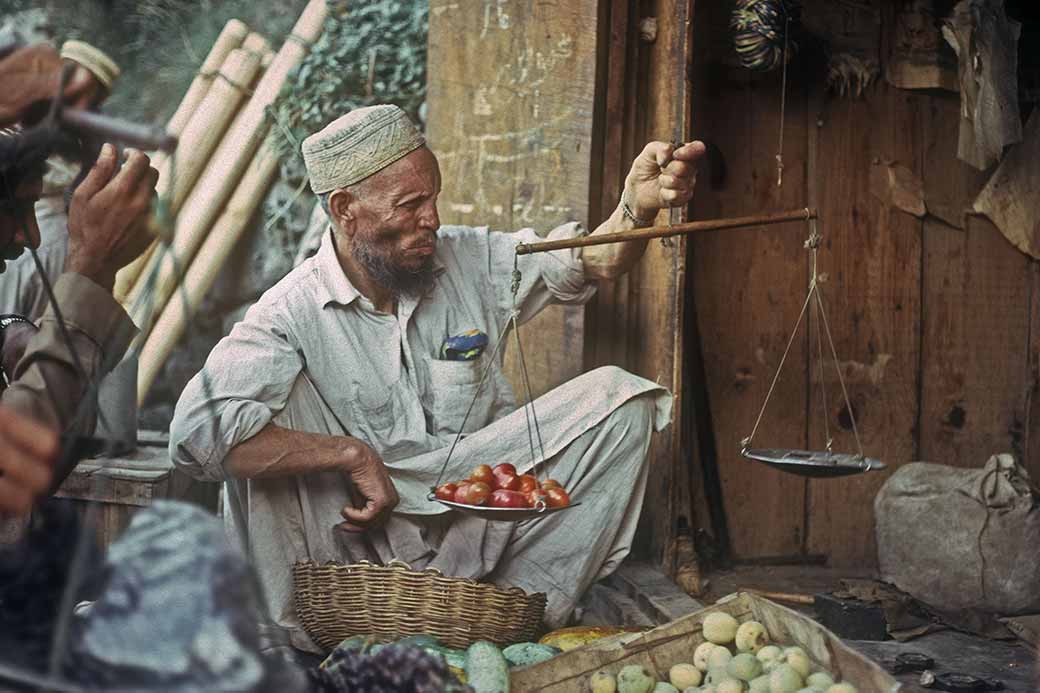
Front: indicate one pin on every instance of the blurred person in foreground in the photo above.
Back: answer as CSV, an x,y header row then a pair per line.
x,y
43,384
94,75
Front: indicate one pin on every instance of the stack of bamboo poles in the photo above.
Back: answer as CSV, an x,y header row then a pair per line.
x,y
220,174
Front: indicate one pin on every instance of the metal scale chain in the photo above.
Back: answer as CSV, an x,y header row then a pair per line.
x,y
793,461
534,432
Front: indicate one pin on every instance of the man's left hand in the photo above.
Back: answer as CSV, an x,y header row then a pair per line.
x,y
663,175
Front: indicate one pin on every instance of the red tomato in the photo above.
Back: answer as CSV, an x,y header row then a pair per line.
x,y
508,482
446,492
550,483
461,490
483,473
504,468
558,498
527,483
537,495
503,498
477,493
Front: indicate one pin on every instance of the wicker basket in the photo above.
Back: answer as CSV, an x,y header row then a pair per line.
x,y
335,601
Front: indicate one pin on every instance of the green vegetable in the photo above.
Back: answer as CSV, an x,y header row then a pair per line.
x,y
523,654
486,669
453,658
418,641
603,682
635,679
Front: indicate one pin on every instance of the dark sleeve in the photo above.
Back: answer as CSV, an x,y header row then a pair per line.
x,y
46,384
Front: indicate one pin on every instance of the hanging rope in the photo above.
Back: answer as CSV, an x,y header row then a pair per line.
x,y
783,108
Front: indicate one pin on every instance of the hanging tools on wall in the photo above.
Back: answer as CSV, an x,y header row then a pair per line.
x,y
762,39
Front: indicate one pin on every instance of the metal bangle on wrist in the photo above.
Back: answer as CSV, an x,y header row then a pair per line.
x,y
627,212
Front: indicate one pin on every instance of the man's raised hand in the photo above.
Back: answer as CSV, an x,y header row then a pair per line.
x,y
663,175
108,216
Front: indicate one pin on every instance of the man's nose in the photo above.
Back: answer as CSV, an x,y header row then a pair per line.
x,y
429,218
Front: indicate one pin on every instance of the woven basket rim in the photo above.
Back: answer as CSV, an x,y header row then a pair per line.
x,y
405,567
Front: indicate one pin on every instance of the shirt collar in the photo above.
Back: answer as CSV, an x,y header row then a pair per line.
x,y
335,286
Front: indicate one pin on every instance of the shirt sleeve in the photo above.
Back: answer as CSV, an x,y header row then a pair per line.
x,y
557,276
245,382
47,384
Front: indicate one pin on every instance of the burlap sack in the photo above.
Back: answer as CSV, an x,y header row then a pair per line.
x,y
961,538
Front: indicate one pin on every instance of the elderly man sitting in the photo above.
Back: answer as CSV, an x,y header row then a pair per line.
x,y
332,396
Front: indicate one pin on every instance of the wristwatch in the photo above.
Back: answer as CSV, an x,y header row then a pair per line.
x,y
11,318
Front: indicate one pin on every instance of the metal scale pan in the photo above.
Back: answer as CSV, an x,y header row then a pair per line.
x,y
503,514
813,463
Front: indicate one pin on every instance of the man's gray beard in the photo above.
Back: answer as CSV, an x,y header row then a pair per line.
x,y
397,280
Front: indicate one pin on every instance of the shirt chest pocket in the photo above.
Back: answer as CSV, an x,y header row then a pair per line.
x,y
454,386
373,414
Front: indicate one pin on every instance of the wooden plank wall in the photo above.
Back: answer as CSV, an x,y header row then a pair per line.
x,y
936,327
511,97
636,321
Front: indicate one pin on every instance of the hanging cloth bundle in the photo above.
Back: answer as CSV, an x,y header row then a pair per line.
x,y
760,32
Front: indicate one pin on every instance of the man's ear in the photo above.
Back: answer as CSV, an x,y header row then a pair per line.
x,y
340,202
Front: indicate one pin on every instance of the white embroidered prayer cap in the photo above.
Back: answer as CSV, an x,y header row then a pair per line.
x,y
353,147
100,65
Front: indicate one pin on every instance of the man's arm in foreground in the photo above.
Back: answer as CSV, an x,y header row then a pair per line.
x,y
106,230
662,176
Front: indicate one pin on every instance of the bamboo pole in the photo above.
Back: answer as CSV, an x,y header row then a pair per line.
x,y
664,231
209,260
231,37
207,126
145,283
217,182
200,138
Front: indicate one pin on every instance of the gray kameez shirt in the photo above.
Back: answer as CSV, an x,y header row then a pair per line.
x,y
313,354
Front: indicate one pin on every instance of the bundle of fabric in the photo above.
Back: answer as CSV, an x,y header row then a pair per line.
x,y
759,32
393,669
33,574
961,539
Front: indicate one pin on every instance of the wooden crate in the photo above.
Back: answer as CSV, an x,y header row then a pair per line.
x,y
674,642
123,485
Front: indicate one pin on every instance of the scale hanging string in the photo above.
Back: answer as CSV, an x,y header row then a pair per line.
x,y
813,244
515,287
469,410
823,382
747,441
841,378
783,100
511,322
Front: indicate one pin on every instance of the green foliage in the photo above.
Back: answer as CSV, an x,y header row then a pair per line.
x,y
159,44
371,51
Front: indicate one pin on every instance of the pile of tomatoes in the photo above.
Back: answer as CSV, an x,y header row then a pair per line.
x,y
502,487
